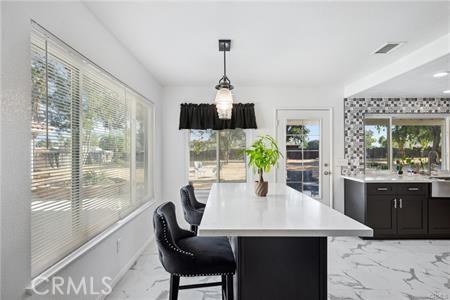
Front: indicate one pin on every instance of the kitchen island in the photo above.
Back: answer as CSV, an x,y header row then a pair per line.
x,y
280,241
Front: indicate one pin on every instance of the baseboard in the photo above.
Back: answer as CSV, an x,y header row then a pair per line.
x,y
128,265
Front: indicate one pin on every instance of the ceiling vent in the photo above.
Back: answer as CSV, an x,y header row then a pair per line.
x,y
388,47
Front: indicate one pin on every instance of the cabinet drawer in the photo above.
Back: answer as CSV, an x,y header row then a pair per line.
x,y
380,189
413,188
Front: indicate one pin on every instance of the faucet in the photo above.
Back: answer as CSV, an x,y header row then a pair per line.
x,y
430,155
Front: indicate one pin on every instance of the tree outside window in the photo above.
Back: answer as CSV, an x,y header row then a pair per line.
x,y
412,141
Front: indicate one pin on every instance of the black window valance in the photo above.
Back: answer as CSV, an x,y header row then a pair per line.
x,y
204,116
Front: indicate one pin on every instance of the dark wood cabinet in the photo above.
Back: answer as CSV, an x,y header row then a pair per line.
x,y
439,212
381,215
412,215
398,210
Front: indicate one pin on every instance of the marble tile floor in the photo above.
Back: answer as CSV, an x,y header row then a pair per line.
x,y
357,269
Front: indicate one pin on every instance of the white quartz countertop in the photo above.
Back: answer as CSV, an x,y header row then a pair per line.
x,y
389,178
233,209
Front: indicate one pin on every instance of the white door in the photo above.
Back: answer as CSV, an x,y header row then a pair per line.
x,y
304,137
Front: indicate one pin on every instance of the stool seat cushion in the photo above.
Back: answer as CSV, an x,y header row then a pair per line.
x,y
182,253
212,255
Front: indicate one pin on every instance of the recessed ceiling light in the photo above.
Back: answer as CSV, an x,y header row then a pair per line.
x,y
446,92
440,74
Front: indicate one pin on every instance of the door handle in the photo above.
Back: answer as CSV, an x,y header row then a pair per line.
x,y
382,189
413,189
326,172
401,202
395,202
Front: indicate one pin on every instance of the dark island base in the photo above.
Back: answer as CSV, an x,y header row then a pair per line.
x,y
282,268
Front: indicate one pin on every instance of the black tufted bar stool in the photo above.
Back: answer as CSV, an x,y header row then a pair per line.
x,y
183,254
193,210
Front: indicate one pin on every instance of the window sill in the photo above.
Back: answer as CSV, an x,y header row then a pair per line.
x,y
44,276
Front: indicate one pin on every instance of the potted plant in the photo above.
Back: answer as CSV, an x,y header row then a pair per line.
x,y
263,155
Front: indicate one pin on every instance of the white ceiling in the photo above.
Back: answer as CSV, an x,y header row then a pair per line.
x,y
289,43
416,83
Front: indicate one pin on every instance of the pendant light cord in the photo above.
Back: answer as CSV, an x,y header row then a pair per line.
x,y
224,63
224,82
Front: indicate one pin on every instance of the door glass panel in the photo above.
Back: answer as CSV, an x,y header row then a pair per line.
x,y
311,190
303,156
294,176
311,176
295,185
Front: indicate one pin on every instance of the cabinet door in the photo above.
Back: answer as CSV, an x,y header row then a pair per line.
x,y
412,214
381,215
439,216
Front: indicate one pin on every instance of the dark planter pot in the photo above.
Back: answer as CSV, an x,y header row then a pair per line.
x,y
261,188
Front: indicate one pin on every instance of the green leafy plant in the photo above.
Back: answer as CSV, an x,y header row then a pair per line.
x,y
263,155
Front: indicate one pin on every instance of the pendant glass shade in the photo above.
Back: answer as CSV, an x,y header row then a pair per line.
x,y
224,103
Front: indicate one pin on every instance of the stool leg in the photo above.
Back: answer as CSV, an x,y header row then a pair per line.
x,y
224,287
174,285
194,228
230,293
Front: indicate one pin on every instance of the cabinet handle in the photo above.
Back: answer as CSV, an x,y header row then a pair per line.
x,y
382,189
395,202
401,202
413,189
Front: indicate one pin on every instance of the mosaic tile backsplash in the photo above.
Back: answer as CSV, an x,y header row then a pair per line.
x,y
356,108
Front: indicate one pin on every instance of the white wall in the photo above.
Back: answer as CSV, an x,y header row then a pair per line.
x,y
267,100
72,22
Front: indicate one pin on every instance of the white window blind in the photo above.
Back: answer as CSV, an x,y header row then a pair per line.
x,y
91,150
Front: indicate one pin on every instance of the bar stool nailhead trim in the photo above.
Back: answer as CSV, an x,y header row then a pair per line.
x,y
174,248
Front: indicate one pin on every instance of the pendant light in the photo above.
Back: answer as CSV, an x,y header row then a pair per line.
x,y
224,98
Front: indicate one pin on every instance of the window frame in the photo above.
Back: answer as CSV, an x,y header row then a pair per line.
x,y
445,143
142,204
151,147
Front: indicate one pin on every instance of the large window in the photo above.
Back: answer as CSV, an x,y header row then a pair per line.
x,y
91,140
410,140
216,156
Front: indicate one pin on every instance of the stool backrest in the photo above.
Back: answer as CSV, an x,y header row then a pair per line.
x,y
167,233
188,197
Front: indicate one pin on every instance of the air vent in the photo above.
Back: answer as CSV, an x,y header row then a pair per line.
x,y
388,47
